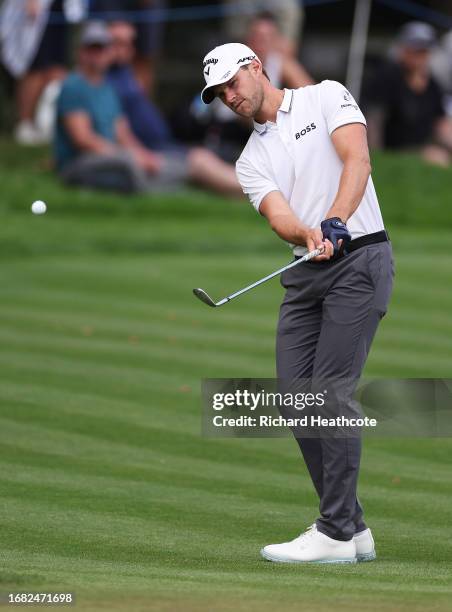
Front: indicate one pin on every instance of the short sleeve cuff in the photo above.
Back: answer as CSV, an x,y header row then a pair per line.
x,y
346,121
256,202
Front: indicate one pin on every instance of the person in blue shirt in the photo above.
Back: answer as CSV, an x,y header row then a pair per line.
x,y
95,147
79,95
145,119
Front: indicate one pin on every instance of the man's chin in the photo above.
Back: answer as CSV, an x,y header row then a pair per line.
x,y
243,111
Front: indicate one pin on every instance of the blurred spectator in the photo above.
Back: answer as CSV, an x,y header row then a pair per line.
x,y
215,125
266,39
442,67
404,102
34,51
145,120
95,147
149,32
289,15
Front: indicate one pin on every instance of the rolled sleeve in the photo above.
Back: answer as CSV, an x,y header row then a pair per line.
x,y
253,182
338,106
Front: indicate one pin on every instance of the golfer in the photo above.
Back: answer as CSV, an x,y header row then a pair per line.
x,y
306,169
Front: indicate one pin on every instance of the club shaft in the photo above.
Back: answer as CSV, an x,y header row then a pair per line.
x,y
292,264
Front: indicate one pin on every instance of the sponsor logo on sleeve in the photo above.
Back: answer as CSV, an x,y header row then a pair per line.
x,y
351,101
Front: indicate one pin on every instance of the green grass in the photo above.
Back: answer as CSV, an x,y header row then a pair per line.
x,y
107,487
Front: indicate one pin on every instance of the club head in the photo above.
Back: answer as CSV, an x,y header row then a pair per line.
x,y
202,295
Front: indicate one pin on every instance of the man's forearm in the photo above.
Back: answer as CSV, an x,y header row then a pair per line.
x,y
289,228
79,129
129,142
282,219
96,144
127,139
286,224
352,186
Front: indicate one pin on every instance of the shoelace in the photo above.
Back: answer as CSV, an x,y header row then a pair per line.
x,y
307,535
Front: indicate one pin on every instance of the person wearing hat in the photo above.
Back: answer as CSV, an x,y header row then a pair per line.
x,y
95,147
306,169
404,103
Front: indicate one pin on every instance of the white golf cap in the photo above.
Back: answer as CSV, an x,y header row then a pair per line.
x,y
221,64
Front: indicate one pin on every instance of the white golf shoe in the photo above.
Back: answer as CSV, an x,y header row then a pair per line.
x,y
312,546
365,546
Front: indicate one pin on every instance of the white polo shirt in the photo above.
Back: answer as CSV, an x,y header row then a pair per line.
x,y
296,156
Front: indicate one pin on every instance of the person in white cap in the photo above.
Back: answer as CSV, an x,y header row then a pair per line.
x,y
306,169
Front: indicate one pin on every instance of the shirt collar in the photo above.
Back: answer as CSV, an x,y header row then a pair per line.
x,y
287,101
285,107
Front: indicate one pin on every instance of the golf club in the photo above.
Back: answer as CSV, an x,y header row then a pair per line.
x,y
205,297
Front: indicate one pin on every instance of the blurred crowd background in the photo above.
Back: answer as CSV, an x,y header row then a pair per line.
x,y
112,86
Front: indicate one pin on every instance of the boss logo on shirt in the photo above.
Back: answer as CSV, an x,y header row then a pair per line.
x,y
303,132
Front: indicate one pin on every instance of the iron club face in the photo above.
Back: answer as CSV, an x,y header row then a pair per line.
x,y
202,295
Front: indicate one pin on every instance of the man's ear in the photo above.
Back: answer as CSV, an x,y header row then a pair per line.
x,y
255,67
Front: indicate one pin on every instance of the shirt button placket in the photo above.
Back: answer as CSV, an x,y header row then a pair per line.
x,y
285,139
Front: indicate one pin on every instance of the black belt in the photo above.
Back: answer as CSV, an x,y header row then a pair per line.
x,y
374,238
357,243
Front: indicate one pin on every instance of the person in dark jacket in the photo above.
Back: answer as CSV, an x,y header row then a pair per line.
x,y
404,103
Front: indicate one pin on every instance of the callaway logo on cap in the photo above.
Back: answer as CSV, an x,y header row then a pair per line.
x,y
221,64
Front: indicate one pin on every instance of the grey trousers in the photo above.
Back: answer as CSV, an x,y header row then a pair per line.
x,y
119,172
328,318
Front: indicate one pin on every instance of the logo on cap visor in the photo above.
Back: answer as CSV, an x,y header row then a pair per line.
x,y
248,58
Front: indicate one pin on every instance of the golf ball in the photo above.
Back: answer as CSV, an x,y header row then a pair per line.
x,y
39,207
